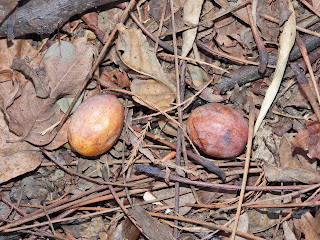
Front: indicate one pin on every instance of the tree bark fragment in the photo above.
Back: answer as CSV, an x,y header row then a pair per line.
x,y
44,16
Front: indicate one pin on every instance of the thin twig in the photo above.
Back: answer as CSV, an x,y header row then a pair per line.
x,y
304,53
300,29
263,54
312,8
224,55
179,138
207,224
158,173
304,84
70,171
246,167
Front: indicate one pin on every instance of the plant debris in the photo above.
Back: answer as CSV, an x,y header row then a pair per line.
x,y
161,60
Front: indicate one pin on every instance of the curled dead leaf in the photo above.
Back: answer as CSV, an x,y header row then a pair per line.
x,y
30,116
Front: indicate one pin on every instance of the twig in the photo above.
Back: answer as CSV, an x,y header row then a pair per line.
x,y
246,167
195,60
179,137
304,84
304,53
313,9
123,208
158,173
227,56
160,25
70,171
300,29
263,54
207,224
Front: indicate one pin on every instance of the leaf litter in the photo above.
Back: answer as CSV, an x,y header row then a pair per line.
x,y
283,178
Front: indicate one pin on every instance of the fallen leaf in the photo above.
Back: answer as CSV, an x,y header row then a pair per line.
x,y
61,138
6,8
307,227
31,117
124,230
243,225
288,233
151,227
316,5
153,92
278,174
168,195
309,140
135,53
240,13
15,158
191,14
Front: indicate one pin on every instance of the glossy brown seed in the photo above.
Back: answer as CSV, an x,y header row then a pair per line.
x,y
217,130
96,125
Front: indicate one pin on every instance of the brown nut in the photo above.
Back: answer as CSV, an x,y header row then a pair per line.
x,y
96,125
217,130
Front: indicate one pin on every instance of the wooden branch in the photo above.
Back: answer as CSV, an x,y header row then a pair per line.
x,y
44,16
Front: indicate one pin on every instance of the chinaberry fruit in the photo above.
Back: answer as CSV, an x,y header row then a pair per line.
x,y
96,125
217,130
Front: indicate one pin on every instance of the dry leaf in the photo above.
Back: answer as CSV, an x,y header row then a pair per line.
x,y
278,174
15,158
309,140
186,198
124,230
30,116
6,8
241,13
307,227
288,232
243,225
152,91
151,227
191,14
135,53
287,40
61,138
261,219
286,160
316,5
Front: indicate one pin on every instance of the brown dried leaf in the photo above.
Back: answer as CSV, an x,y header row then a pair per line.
x,y
316,5
125,230
135,53
285,155
152,91
6,8
151,227
167,193
15,158
191,14
30,116
243,225
308,139
288,232
278,174
307,227
61,137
